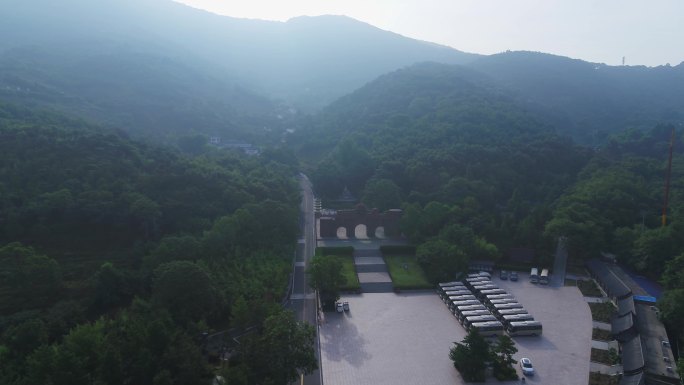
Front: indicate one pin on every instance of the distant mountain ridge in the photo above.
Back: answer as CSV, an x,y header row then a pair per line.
x,y
589,101
156,67
308,61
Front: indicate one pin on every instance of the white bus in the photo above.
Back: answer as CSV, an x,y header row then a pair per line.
x,y
487,286
449,293
460,309
472,313
501,301
455,304
508,318
492,297
460,297
524,328
534,275
477,280
488,329
484,293
442,287
447,284
452,287
503,313
504,306
544,277
468,321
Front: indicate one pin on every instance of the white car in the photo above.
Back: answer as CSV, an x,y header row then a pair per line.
x,y
526,366
340,307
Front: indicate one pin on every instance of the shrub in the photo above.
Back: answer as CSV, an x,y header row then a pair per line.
x,y
398,250
335,250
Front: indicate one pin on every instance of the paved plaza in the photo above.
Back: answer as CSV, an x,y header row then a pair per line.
x,y
390,338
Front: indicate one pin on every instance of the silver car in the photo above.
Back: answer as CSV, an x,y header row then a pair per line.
x,y
526,366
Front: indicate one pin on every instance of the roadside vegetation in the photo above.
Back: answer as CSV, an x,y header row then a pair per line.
x,y
603,379
325,276
602,312
342,258
601,335
589,288
607,357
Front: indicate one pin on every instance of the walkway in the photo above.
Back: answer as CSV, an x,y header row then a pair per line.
x,y
372,271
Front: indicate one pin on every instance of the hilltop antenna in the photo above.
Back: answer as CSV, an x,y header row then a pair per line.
x,y
667,180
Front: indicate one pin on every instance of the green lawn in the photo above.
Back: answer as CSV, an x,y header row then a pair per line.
x,y
406,273
349,273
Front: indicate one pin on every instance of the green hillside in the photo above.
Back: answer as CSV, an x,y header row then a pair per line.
x,y
115,255
589,101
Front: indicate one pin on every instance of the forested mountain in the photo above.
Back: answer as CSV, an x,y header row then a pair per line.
x,y
151,96
119,256
616,207
155,67
471,165
589,101
478,174
115,256
189,63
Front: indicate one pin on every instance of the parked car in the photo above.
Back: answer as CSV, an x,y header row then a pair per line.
x,y
503,275
340,307
526,366
513,276
345,305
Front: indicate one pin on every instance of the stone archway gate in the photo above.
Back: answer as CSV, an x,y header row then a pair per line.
x,y
349,219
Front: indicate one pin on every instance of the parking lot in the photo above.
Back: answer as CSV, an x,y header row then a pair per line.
x,y
389,338
561,355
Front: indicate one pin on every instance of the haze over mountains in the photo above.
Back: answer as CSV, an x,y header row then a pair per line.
x,y
128,242
157,68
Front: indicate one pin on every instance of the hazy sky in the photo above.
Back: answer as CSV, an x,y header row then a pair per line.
x,y
645,32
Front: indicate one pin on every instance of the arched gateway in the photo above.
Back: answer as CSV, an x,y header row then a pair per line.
x,y
359,222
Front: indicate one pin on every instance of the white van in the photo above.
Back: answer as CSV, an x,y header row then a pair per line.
x,y
534,275
544,277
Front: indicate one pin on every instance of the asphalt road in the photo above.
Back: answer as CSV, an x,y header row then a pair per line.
x,y
303,300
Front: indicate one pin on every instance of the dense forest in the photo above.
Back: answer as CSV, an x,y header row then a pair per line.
x,y
478,175
128,244
119,257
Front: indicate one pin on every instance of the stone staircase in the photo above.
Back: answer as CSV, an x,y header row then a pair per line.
x,y
372,272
